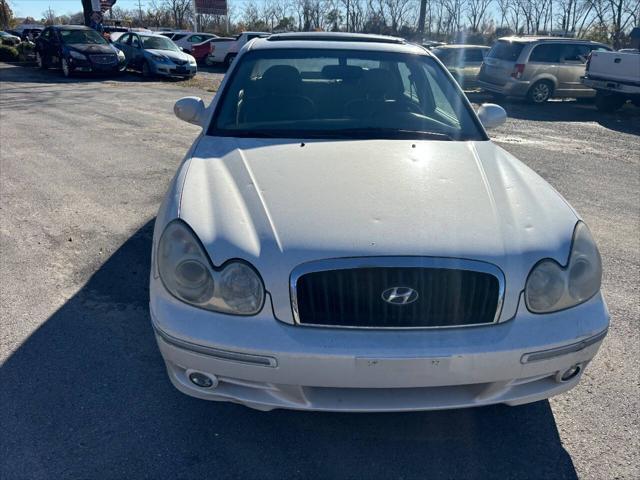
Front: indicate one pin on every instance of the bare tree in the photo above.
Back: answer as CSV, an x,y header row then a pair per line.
x,y
476,11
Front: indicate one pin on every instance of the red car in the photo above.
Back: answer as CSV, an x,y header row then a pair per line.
x,y
202,50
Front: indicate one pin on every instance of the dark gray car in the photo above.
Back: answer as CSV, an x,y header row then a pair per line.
x,y
156,55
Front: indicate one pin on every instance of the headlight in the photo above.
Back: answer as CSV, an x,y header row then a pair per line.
x,y
121,55
551,287
77,55
192,61
186,272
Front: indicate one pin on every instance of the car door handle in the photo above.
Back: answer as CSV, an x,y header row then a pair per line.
x,y
617,60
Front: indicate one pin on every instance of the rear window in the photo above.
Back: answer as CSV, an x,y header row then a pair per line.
x,y
505,50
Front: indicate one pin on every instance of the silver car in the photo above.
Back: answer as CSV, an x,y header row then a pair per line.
x,y
537,68
463,61
155,55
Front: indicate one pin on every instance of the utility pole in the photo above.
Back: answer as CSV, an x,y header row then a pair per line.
x,y
140,11
421,18
348,15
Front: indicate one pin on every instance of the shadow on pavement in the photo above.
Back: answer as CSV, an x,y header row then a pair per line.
x,y
625,120
86,396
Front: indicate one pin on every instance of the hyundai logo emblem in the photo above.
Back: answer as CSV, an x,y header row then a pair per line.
x,y
399,295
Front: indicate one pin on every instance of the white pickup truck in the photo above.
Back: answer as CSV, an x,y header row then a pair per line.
x,y
615,76
225,50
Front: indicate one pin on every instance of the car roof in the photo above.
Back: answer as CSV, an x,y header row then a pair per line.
x,y
336,41
546,39
72,27
453,46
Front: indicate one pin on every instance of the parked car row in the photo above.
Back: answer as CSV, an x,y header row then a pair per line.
x,y
541,68
76,48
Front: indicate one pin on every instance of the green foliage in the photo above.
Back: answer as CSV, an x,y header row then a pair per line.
x,y
8,54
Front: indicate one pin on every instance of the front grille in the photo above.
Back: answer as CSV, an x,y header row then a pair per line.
x,y
103,59
353,297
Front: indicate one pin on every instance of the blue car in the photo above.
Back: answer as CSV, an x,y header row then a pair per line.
x,y
155,55
76,48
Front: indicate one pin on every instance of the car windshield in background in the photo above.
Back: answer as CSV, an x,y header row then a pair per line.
x,y
342,94
158,43
81,37
505,50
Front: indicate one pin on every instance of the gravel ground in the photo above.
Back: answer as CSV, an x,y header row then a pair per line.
x,y
84,165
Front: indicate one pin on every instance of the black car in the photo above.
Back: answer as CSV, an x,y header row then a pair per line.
x,y
76,48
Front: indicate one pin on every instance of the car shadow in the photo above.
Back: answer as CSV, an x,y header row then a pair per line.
x,y
86,396
30,73
625,120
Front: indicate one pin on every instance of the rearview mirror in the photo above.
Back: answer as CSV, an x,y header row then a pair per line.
x,y
190,109
491,115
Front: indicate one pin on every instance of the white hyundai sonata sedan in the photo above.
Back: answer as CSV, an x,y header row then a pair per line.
x,y
344,236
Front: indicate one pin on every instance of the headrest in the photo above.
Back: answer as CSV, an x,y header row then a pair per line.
x,y
342,72
281,79
379,82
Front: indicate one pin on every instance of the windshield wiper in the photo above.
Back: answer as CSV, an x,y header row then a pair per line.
x,y
388,133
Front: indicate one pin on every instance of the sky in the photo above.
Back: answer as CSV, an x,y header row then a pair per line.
x,y
34,8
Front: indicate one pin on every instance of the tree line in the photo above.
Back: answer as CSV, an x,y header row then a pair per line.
x,y
472,21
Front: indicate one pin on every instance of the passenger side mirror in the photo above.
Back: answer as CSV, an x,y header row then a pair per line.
x,y
491,115
190,109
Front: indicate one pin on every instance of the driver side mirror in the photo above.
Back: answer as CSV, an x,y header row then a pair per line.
x,y
491,115
190,109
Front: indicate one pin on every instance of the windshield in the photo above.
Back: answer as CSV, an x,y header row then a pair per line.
x,y
82,37
158,43
342,94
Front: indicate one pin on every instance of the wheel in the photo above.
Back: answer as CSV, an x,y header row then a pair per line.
x,y
228,60
609,102
40,61
66,69
540,92
146,70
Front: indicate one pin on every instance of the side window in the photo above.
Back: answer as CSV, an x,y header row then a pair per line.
x,y
124,39
473,55
46,34
546,53
177,37
135,41
576,54
195,39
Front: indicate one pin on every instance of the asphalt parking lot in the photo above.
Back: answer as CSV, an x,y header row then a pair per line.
x,y
84,166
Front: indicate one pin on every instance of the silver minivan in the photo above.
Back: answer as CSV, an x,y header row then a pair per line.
x,y
537,68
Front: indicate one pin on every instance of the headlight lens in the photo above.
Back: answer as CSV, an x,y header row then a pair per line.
x,y
121,55
160,59
77,55
551,287
192,61
187,274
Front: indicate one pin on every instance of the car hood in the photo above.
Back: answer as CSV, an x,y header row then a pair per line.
x,y
281,203
91,49
169,54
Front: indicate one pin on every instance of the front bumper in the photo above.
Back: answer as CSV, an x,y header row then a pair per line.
x,y
512,87
88,66
263,363
173,70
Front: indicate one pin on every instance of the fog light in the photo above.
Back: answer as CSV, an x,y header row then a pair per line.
x,y
201,380
570,373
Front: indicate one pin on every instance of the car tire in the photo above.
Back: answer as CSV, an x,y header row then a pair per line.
x,y
40,61
228,60
67,71
540,92
609,102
